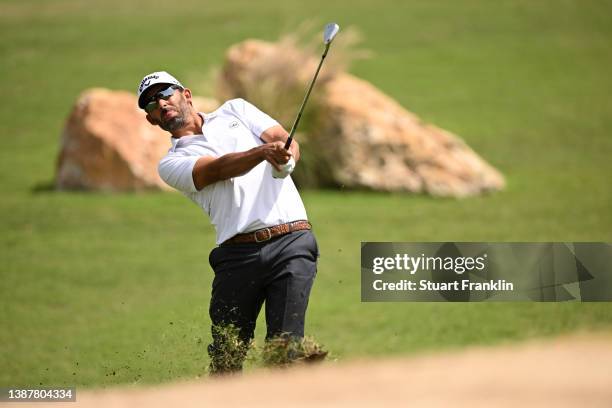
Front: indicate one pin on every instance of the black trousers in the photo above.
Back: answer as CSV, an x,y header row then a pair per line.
x,y
279,272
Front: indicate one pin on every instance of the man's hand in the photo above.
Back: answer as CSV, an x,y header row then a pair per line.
x,y
294,148
277,133
275,154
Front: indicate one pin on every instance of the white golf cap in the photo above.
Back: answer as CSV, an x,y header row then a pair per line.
x,y
160,77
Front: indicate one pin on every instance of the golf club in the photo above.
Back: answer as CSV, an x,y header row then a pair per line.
x,y
329,33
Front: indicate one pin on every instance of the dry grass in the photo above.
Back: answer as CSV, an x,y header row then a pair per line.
x,y
276,81
231,352
283,351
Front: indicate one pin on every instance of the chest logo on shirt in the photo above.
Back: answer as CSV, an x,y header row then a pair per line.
x,y
233,125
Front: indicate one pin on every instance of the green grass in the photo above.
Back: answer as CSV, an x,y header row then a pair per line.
x,y
104,289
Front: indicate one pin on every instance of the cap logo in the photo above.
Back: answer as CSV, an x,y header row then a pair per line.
x,y
146,81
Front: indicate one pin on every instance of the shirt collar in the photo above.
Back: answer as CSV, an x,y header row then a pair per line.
x,y
206,117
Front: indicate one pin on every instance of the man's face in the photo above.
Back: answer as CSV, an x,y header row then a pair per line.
x,y
171,114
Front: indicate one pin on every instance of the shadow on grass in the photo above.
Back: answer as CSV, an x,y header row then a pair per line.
x,y
47,186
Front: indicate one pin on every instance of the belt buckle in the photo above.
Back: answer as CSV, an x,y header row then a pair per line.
x,y
265,239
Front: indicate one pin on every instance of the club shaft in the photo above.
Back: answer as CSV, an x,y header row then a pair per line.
x,y
299,115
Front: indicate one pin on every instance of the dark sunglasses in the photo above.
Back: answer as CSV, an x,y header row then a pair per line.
x,y
164,94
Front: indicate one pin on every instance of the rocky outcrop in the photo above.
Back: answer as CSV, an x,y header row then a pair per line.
x,y
367,140
357,137
108,145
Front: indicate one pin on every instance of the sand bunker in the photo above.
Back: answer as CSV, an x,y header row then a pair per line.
x,y
567,372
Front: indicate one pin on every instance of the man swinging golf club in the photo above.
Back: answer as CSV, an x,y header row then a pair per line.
x,y
266,249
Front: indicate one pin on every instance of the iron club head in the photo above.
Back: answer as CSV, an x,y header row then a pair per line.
x,y
330,32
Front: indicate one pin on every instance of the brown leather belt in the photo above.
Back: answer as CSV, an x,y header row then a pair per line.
x,y
266,234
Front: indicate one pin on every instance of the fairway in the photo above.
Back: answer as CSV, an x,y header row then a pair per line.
x,y
100,289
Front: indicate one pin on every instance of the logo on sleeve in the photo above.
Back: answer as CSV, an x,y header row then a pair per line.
x,y
233,125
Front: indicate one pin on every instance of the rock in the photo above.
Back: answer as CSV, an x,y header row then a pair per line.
x,y
359,137
108,145
369,141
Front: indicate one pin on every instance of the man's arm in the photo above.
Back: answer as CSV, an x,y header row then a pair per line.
x,y
279,134
208,170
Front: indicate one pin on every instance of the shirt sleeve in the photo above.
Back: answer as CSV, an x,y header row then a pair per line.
x,y
177,172
256,120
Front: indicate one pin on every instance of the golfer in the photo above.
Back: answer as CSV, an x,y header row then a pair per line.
x,y
266,250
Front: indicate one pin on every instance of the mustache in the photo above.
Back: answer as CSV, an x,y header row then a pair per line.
x,y
168,109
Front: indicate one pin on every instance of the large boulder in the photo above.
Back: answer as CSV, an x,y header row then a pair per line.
x,y
356,136
367,140
108,145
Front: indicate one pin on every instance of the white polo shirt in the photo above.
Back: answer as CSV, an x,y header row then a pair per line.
x,y
240,204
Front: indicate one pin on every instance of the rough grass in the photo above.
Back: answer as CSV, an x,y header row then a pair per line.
x,y
283,351
103,289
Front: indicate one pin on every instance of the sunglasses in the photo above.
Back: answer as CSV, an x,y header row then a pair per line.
x,y
164,94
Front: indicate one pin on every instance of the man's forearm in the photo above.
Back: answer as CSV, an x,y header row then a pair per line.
x,y
209,170
237,164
